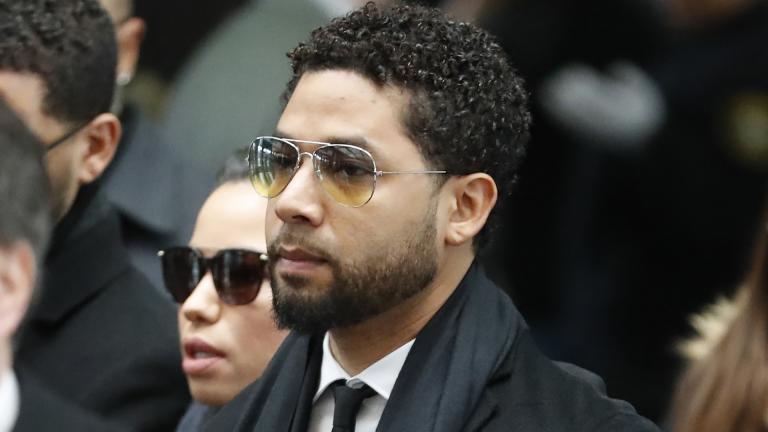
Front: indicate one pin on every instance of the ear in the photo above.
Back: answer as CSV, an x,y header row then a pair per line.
x,y
102,134
17,280
130,35
473,197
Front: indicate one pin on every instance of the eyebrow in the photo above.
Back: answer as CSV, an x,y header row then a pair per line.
x,y
357,141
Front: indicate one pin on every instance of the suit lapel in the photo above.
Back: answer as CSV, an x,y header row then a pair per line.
x,y
303,411
483,413
453,361
286,406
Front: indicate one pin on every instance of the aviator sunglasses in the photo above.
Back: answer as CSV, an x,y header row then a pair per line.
x,y
346,172
237,273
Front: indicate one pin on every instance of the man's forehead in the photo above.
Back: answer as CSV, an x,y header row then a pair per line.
x,y
355,140
344,107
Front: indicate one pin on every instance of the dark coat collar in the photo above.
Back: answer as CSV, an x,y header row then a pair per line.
x,y
445,383
460,349
86,254
40,409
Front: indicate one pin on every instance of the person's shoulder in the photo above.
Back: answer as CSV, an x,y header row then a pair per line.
x,y
532,390
134,324
138,301
42,410
132,286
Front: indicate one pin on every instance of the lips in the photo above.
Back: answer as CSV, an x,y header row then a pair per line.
x,y
297,254
199,357
297,260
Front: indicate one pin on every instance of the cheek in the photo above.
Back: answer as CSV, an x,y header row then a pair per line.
x,y
256,334
62,175
57,172
272,223
377,228
250,328
182,321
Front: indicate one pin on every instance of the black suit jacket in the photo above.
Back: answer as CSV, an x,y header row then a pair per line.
x,y
102,336
40,410
526,392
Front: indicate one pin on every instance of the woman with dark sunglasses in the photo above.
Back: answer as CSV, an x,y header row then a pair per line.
x,y
220,280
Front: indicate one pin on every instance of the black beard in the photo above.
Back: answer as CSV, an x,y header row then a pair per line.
x,y
361,288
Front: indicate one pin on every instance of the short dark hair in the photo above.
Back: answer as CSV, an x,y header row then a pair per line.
x,y
468,110
70,44
25,209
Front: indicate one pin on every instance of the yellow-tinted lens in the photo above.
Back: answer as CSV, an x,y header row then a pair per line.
x,y
272,163
346,173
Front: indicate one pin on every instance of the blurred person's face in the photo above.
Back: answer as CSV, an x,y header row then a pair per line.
x,y
130,31
17,280
81,157
226,347
333,265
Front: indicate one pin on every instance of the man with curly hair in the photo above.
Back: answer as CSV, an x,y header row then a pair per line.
x,y
101,335
401,131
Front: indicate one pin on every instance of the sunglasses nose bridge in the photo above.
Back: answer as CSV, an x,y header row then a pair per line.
x,y
310,155
202,305
299,163
204,268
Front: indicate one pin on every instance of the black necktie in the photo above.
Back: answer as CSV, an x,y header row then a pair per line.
x,y
348,401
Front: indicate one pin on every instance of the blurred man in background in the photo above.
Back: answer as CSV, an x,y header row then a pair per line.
x,y
101,335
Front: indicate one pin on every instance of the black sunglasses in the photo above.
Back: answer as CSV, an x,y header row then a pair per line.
x,y
237,273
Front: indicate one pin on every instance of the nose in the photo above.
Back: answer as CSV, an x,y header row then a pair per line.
x,y
302,200
203,305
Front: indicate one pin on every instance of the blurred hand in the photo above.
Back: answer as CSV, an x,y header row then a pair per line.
x,y
620,109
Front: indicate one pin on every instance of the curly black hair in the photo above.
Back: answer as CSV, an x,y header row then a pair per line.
x,y
468,110
70,45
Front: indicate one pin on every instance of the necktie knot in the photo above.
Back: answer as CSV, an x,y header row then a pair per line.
x,y
347,404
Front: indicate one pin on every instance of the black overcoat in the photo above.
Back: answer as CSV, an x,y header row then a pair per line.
x,y
474,367
101,336
40,410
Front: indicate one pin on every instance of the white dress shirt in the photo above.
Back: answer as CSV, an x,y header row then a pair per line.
x,y
9,400
380,376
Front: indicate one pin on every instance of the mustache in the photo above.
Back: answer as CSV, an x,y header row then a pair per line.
x,y
299,240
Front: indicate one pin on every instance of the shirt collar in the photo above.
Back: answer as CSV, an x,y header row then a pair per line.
x,y
9,400
380,376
